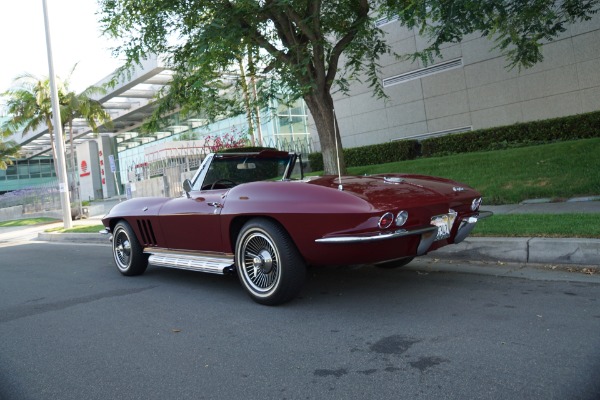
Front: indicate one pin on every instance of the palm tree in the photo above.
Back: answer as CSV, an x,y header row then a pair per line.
x,y
82,106
29,105
8,151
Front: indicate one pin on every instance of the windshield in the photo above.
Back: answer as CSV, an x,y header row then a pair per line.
x,y
227,171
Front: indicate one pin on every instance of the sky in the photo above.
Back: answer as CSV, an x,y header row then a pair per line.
x,y
76,39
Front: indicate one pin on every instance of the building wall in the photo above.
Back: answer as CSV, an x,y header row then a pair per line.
x,y
107,175
479,93
89,171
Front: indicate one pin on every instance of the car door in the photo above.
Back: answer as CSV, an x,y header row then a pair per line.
x,y
193,223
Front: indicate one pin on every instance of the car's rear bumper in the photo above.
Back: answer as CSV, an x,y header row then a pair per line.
x,y
373,237
467,225
427,234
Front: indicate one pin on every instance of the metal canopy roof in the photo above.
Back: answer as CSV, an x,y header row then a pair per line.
x,y
129,103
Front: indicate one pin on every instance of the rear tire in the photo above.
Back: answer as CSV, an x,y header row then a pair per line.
x,y
395,264
268,264
128,253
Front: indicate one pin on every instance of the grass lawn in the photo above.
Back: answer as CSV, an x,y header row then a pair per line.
x,y
79,229
540,225
28,222
557,171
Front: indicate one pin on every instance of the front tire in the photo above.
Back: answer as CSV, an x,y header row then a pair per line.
x,y
268,264
128,253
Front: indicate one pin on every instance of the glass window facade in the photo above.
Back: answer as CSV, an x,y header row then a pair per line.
x,y
283,126
27,173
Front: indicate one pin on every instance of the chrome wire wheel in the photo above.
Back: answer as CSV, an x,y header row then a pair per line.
x,y
128,253
122,249
268,263
260,262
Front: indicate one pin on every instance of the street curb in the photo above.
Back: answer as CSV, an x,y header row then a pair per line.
x,y
73,237
525,250
573,251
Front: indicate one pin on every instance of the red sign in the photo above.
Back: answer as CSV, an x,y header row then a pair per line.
x,y
84,169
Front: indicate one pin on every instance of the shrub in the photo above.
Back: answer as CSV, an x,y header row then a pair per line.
x,y
316,161
581,126
382,153
372,154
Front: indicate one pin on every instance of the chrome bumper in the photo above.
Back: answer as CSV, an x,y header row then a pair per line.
x,y
106,231
377,236
467,225
427,233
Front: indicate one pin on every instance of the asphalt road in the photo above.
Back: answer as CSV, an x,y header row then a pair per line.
x,y
71,327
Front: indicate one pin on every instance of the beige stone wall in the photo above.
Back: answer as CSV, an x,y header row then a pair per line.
x,y
479,94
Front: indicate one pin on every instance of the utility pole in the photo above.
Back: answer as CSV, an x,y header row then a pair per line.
x,y
58,135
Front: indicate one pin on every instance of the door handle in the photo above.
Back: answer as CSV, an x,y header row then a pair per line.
x,y
215,204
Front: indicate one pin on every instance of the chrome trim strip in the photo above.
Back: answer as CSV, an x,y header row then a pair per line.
x,y
376,237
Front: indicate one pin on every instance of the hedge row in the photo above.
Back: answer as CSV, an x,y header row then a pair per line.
x,y
581,126
373,154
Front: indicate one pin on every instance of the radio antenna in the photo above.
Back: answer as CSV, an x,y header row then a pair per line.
x,y
337,150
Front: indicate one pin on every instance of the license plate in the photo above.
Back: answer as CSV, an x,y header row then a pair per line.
x,y
444,224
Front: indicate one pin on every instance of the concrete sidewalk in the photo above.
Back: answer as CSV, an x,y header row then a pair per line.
x,y
579,251
546,206
570,251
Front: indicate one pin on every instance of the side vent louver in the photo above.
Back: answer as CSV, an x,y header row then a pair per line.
x,y
420,73
147,233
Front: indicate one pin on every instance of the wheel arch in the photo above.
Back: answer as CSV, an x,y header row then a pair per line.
x,y
238,223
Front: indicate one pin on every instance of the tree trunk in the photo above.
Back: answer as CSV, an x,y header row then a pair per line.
x,y
252,71
246,93
321,107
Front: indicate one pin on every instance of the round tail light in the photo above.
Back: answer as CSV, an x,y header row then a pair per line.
x,y
386,220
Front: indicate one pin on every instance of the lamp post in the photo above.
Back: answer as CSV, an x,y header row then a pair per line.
x,y
58,135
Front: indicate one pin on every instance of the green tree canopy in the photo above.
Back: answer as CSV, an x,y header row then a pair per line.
x,y
313,47
8,151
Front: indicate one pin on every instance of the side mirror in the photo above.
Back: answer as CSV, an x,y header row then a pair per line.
x,y
187,187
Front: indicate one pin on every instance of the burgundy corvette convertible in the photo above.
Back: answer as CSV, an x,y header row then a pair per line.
x,y
257,215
